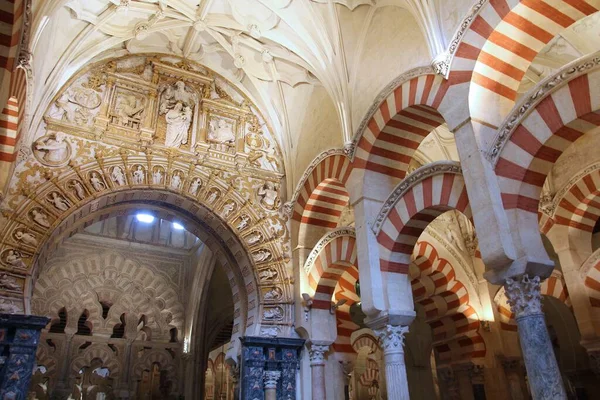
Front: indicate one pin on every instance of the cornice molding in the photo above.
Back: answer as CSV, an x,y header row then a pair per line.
x,y
324,241
529,102
436,168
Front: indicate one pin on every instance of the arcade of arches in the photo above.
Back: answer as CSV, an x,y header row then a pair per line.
x,y
300,199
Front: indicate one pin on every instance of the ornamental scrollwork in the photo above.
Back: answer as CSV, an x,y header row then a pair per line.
x,y
523,295
391,337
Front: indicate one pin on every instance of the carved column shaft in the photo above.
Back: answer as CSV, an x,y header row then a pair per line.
x,y
392,342
524,297
317,368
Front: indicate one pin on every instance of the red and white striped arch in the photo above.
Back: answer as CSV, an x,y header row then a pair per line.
x,y
500,44
333,255
592,284
538,139
346,290
410,213
579,207
554,286
396,128
321,194
453,320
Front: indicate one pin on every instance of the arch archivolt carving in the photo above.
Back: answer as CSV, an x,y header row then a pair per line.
x,y
100,352
156,356
95,155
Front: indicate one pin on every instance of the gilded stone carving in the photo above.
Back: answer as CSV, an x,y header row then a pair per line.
x,y
8,282
58,201
269,196
52,149
158,175
243,222
25,237
213,195
228,208
77,188
39,217
195,186
176,180
129,110
139,175
273,294
254,237
14,258
268,275
261,256
97,181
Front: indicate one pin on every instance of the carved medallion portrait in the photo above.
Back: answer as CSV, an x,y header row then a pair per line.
x,y
53,149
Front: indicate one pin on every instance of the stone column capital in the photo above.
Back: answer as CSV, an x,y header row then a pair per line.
x,y
523,294
271,378
392,338
317,353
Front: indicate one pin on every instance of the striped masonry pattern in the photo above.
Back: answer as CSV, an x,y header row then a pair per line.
x,y
454,322
580,206
554,286
399,125
346,290
336,258
411,214
13,81
538,141
502,42
323,195
592,283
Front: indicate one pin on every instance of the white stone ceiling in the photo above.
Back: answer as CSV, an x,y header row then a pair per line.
x,y
312,66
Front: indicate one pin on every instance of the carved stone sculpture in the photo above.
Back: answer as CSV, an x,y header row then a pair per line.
x,y
8,307
26,237
53,149
9,283
269,198
14,258
273,314
157,177
261,255
40,217
243,222
139,175
274,294
129,111
78,188
97,182
178,123
58,201
268,274
176,181
118,176
221,131
195,186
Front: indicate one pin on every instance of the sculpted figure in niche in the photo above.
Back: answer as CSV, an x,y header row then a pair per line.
x,y
212,197
274,294
78,188
14,258
244,220
9,283
273,314
139,175
196,183
26,238
58,201
254,238
118,176
129,111
157,177
261,255
176,181
41,218
269,198
178,123
228,208
53,149
176,93
8,307
268,274
96,182
221,131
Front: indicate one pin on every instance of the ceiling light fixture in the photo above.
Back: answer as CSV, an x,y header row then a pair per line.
x,y
146,218
177,226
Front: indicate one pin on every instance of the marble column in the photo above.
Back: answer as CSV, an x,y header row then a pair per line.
x,y
525,300
317,369
19,338
392,343
271,378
